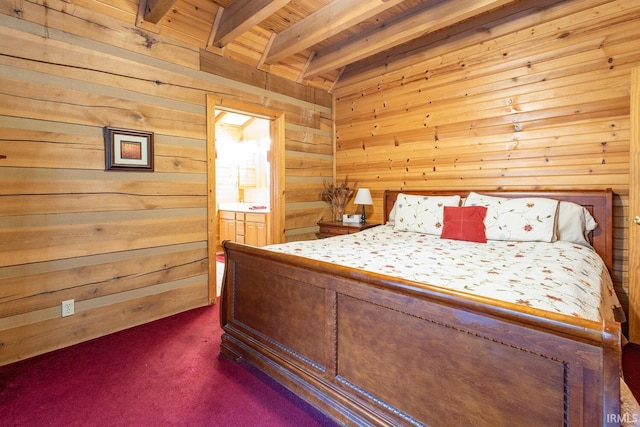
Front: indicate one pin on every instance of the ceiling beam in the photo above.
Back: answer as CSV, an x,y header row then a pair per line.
x,y
411,24
212,34
433,46
220,116
328,21
154,10
242,15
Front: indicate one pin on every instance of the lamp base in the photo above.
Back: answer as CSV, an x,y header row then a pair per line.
x,y
363,217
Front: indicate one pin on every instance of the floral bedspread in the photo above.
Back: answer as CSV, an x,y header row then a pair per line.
x,y
559,277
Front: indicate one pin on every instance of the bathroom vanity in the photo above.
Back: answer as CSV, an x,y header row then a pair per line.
x,y
244,223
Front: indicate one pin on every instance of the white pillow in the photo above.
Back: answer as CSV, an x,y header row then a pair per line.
x,y
422,214
529,219
574,223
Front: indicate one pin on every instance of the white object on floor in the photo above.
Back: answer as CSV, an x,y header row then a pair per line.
x,y
219,274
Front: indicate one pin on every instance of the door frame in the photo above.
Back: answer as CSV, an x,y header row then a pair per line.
x,y
634,209
276,174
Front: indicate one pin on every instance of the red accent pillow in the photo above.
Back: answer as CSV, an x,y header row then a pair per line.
x,y
464,223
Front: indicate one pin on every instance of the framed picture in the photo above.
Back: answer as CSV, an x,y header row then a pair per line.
x,y
130,150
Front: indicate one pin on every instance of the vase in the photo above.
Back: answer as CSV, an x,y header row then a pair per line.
x,y
338,212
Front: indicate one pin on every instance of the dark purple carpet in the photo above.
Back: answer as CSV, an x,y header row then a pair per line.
x,y
165,373
631,368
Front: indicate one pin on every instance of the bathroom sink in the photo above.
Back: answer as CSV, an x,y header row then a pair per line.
x,y
243,207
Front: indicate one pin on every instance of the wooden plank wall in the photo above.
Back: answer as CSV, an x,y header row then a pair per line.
x,y
128,247
542,102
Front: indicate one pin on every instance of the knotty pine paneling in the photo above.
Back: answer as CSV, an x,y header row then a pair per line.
x,y
309,142
53,21
128,247
543,103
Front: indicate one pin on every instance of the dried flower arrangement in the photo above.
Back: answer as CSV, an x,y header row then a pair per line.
x,y
337,195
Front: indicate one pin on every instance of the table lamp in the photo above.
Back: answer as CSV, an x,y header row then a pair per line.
x,y
363,197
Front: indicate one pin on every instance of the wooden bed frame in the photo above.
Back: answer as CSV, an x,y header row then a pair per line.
x,y
368,349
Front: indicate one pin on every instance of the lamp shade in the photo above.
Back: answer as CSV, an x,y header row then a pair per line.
x,y
363,197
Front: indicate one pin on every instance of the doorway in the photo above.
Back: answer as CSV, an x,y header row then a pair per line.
x,y
273,121
243,150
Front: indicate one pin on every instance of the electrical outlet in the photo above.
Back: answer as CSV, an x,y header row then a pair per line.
x,y
67,308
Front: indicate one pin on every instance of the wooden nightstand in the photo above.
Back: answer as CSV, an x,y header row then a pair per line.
x,y
338,228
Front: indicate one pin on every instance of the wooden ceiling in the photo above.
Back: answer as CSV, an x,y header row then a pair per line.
x,y
313,42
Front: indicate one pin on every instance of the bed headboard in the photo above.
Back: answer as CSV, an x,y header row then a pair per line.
x,y
598,202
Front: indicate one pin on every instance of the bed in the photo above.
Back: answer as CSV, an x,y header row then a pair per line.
x,y
368,348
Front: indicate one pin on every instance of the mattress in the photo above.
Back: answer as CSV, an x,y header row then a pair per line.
x,y
559,277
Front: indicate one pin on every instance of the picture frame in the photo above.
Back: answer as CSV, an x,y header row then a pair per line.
x,y
128,150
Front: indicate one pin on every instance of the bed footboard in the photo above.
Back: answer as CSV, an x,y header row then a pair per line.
x,y
368,350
